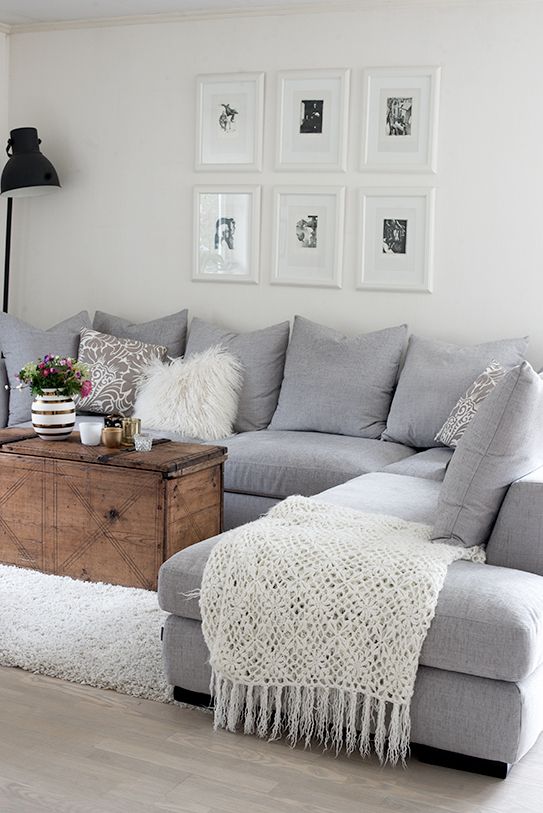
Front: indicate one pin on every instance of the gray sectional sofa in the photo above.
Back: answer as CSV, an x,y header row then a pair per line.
x,y
478,701
352,421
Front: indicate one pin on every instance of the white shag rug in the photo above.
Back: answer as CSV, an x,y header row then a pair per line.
x,y
96,634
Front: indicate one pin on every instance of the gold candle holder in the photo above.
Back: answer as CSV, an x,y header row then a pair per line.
x,y
130,427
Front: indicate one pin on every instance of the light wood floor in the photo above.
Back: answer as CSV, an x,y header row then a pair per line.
x,y
66,748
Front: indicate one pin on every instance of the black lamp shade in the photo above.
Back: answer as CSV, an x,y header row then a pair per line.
x,y
27,172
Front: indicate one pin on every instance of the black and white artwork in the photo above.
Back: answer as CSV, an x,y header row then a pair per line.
x,y
306,231
311,113
229,122
308,236
312,120
228,118
226,233
399,132
399,113
394,236
225,229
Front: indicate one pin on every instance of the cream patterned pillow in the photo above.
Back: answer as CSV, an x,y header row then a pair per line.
x,y
461,415
116,366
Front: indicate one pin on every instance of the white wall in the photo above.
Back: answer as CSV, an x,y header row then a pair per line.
x,y
115,109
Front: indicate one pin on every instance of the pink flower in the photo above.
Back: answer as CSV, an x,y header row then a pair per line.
x,y
86,388
46,372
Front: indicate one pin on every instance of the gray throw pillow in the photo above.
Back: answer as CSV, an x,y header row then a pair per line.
x,y
21,343
116,368
434,376
465,409
338,384
503,443
170,331
262,355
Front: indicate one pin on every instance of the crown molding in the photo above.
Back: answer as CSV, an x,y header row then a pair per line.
x,y
264,10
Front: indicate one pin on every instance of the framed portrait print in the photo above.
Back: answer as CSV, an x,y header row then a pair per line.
x,y
229,119
312,120
396,239
400,119
308,236
226,233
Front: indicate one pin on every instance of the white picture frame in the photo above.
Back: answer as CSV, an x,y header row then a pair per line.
x,y
229,122
226,234
312,120
308,236
396,247
400,122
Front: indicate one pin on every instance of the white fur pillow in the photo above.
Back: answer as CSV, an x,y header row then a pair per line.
x,y
197,397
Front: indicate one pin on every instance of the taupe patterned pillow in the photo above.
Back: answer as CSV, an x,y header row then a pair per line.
x,y
461,415
116,366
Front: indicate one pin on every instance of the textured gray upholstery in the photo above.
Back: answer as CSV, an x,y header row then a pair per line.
x,y
262,354
489,719
430,464
21,343
242,508
503,442
517,537
487,619
338,384
434,376
411,498
170,330
278,464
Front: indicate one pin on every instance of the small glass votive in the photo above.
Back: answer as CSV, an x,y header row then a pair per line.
x,y
91,433
143,443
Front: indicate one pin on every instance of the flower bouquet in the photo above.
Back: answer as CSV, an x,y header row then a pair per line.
x,y
54,380
66,376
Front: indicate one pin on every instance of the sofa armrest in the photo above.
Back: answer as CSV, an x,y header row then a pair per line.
x,y
517,537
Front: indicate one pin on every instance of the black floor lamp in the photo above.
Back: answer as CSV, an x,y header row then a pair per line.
x,y
27,173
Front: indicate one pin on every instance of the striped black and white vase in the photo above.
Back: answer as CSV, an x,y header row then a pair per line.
x,y
53,415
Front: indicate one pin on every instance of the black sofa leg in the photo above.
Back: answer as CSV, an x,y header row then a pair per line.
x,y
424,753
192,698
460,762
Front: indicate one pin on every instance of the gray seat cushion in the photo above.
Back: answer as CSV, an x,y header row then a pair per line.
x,y
338,384
278,464
410,498
430,464
487,623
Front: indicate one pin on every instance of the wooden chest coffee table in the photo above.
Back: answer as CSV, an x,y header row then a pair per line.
x,y
102,514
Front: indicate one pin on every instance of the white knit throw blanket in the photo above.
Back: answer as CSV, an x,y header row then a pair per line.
x,y
314,617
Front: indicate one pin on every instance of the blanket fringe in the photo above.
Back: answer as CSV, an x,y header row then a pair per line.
x,y
333,717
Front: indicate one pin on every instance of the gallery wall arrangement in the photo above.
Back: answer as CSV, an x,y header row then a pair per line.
x,y
398,139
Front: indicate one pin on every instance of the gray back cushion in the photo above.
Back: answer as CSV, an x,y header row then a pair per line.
x,y
338,384
262,355
503,442
434,376
170,331
21,343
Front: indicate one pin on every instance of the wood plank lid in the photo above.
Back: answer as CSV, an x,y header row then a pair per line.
x,y
166,456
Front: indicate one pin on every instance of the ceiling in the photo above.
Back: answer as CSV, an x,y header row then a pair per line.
x,y
25,12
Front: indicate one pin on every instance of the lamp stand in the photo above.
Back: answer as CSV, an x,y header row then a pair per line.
x,y
7,255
